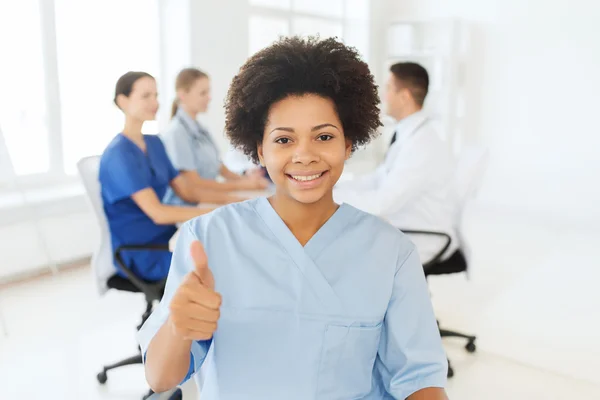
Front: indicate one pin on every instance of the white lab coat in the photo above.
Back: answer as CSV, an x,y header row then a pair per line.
x,y
412,189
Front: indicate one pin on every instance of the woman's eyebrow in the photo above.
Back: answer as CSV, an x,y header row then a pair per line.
x,y
316,128
283,128
313,129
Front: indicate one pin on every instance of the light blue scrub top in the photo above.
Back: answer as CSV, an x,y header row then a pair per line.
x,y
190,148
347,316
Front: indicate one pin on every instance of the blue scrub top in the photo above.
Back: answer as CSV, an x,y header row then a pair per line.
x,y
190,148
346,316
124,170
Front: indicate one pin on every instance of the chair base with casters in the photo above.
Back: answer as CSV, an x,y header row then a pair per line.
x,y
153,291
105,256
456,263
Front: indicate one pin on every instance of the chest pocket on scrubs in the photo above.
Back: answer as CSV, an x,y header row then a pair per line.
x,y
347,360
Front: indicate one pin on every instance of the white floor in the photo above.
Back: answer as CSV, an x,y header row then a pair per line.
x,y
531,301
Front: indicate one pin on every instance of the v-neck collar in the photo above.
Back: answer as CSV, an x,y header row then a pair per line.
x,y
303,257
326,233
131,142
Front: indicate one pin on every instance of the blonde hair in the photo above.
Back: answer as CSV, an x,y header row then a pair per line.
x,y
185,79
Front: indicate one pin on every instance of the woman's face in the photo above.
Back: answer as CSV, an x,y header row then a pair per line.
x,y
142,103
303,147
197,97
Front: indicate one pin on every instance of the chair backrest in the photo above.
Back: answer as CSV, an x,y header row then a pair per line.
x,y
102,259
471,167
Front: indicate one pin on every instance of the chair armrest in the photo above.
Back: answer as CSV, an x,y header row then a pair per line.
x,y
151,290
438,256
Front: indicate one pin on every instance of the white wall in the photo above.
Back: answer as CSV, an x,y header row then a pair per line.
x,y
37,235
534,78
219,47
538,87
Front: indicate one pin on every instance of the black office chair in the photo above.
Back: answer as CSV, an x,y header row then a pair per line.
x,y
102,263
153,291
456,263
471,167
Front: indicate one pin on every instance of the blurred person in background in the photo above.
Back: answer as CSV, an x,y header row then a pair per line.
x,y
134,175
191,148
412,189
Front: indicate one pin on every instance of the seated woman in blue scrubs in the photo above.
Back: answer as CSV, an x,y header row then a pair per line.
x,y
191,147
294,296
134,175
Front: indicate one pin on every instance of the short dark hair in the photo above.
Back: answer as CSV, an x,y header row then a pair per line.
x,y
125,83
294,66
413,77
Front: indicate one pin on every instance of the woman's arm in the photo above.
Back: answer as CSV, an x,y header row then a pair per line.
x,y
162,214
411,361
170,359
229,175
167,360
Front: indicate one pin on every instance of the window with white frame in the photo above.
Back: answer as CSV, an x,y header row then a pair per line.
x,y
346,19
23,111
60,63
91,61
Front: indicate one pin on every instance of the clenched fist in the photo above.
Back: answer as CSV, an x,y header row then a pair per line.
x,y
195,305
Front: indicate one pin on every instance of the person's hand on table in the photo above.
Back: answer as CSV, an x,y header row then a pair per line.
x,y
254,173
259,183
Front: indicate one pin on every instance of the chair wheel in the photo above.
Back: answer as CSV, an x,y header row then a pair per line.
x,y
177,395
148,395
450,372
471,346
102,378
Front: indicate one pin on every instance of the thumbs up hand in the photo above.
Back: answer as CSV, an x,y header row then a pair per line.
x,y
201,269
194,309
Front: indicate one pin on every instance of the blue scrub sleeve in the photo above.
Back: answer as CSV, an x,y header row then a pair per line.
x,y
181,265
166,161
122,176
179,148
411,356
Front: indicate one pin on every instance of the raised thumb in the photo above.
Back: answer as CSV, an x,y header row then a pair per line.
x,y
201,269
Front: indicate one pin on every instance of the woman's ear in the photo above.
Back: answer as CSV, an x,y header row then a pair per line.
x,y
348,148
259,151
179,93
121,101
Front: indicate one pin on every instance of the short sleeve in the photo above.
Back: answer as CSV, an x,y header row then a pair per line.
x,y
179,148
122,174
411,356
181,265
172,172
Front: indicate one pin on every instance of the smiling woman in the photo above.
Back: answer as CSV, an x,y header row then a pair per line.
x,y
299,297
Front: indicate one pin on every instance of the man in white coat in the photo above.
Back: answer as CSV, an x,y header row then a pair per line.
x,y
413,187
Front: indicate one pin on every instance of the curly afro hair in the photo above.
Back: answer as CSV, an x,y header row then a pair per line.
x,y
294,66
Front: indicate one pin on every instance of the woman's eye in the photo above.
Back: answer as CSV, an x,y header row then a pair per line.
x,y
325,138
283,140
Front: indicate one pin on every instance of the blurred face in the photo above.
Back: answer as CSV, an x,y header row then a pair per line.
x,y
304,148
196,98
142,103
396,98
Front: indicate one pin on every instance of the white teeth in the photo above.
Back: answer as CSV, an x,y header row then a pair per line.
x,y
304,178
